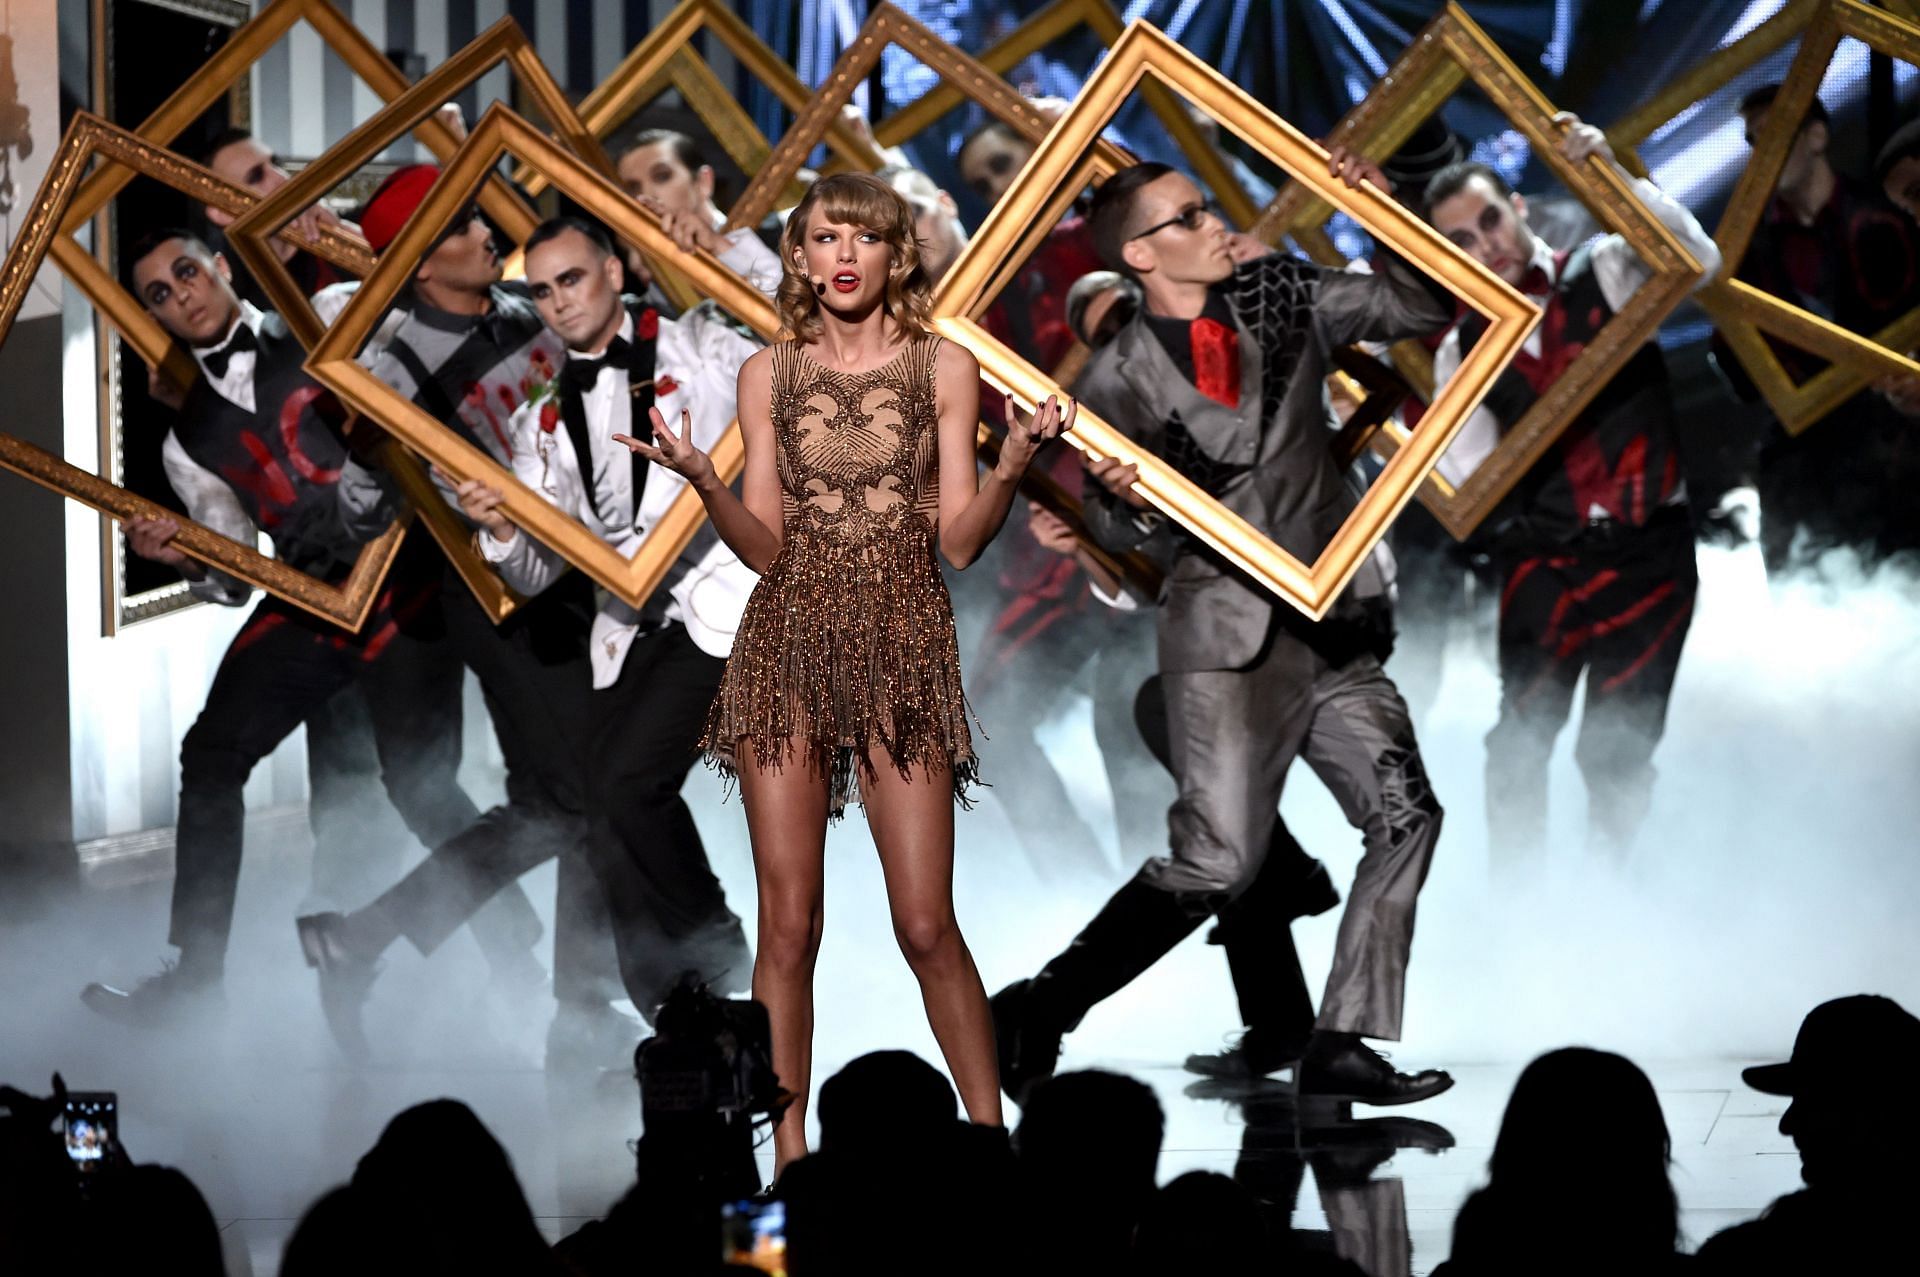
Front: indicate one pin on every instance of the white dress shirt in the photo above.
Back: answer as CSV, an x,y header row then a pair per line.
x,y
1618,270
701,354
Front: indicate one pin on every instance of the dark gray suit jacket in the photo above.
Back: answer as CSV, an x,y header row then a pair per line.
x,y
1268,461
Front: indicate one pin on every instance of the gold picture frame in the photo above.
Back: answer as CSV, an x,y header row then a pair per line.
x,y
230,65
251,236
499,134
1034,201
1449,52
1042,28
666,56
888,26
1746,315
42,237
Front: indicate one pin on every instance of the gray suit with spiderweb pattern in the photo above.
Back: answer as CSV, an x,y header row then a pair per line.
x,y
1251,684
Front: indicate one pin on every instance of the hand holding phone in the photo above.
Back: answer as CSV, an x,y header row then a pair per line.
x,y
92,1122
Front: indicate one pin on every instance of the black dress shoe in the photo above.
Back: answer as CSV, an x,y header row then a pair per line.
x,y
1028,1051
176,998
1246,1060
346,977
1339,1068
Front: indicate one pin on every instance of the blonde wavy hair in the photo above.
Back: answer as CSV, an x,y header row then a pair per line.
x,y
854,199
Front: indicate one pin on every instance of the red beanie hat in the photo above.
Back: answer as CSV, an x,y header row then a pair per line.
x,y
390,207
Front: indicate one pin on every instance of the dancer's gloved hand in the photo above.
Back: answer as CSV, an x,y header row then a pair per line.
x,y
1025,437
1050,530
688,228
152,539
674,451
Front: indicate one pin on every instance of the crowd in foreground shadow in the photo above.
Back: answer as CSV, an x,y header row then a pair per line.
x,y
901,1184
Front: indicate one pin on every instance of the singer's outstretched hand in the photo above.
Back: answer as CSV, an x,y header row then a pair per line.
x,y
674,451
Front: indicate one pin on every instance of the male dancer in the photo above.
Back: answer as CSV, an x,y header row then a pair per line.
x,y
257,447
1831,244
655,669
1221,373
343,762
238,156
461,346
1594,546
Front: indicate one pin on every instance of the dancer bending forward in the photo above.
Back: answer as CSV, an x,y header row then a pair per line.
x,y
844,682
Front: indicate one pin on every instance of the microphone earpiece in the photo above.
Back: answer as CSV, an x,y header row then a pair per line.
x,y
819,284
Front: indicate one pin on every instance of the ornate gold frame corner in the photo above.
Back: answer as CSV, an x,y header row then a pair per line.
x,y
1041,29
666,58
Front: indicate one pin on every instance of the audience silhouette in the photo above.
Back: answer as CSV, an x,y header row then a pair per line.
x,y
1856,1151
903,1184
1607,1208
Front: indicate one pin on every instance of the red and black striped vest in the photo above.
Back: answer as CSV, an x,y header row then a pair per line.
x,y
283,459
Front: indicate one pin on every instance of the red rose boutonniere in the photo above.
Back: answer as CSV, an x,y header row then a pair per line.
x,y
647,327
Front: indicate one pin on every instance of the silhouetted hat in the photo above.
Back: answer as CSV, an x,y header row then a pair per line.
x,y
1833,1039
1432,147
389,207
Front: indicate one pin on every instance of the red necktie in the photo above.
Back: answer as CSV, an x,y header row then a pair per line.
x,y
1535,283
1216,360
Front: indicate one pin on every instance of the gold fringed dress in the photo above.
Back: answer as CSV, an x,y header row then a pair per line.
x,y
847,644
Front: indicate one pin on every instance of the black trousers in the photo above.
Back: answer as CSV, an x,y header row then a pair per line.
x,y
537,684
1256,930
281,668
669,911
1618,611
1020,685
633,863
358,841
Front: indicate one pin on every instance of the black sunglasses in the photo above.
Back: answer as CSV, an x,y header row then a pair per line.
x,y
1191,218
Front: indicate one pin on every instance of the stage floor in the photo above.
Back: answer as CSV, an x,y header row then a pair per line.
x,y
264,1116
1775,872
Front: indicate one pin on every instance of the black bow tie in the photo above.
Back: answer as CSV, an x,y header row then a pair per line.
x,y
580,374
216,360
577,377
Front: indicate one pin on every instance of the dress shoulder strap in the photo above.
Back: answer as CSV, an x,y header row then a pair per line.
x,y
786,364
926,358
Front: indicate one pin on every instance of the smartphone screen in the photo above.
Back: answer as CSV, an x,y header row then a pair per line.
x,y
755,1234
93,1127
